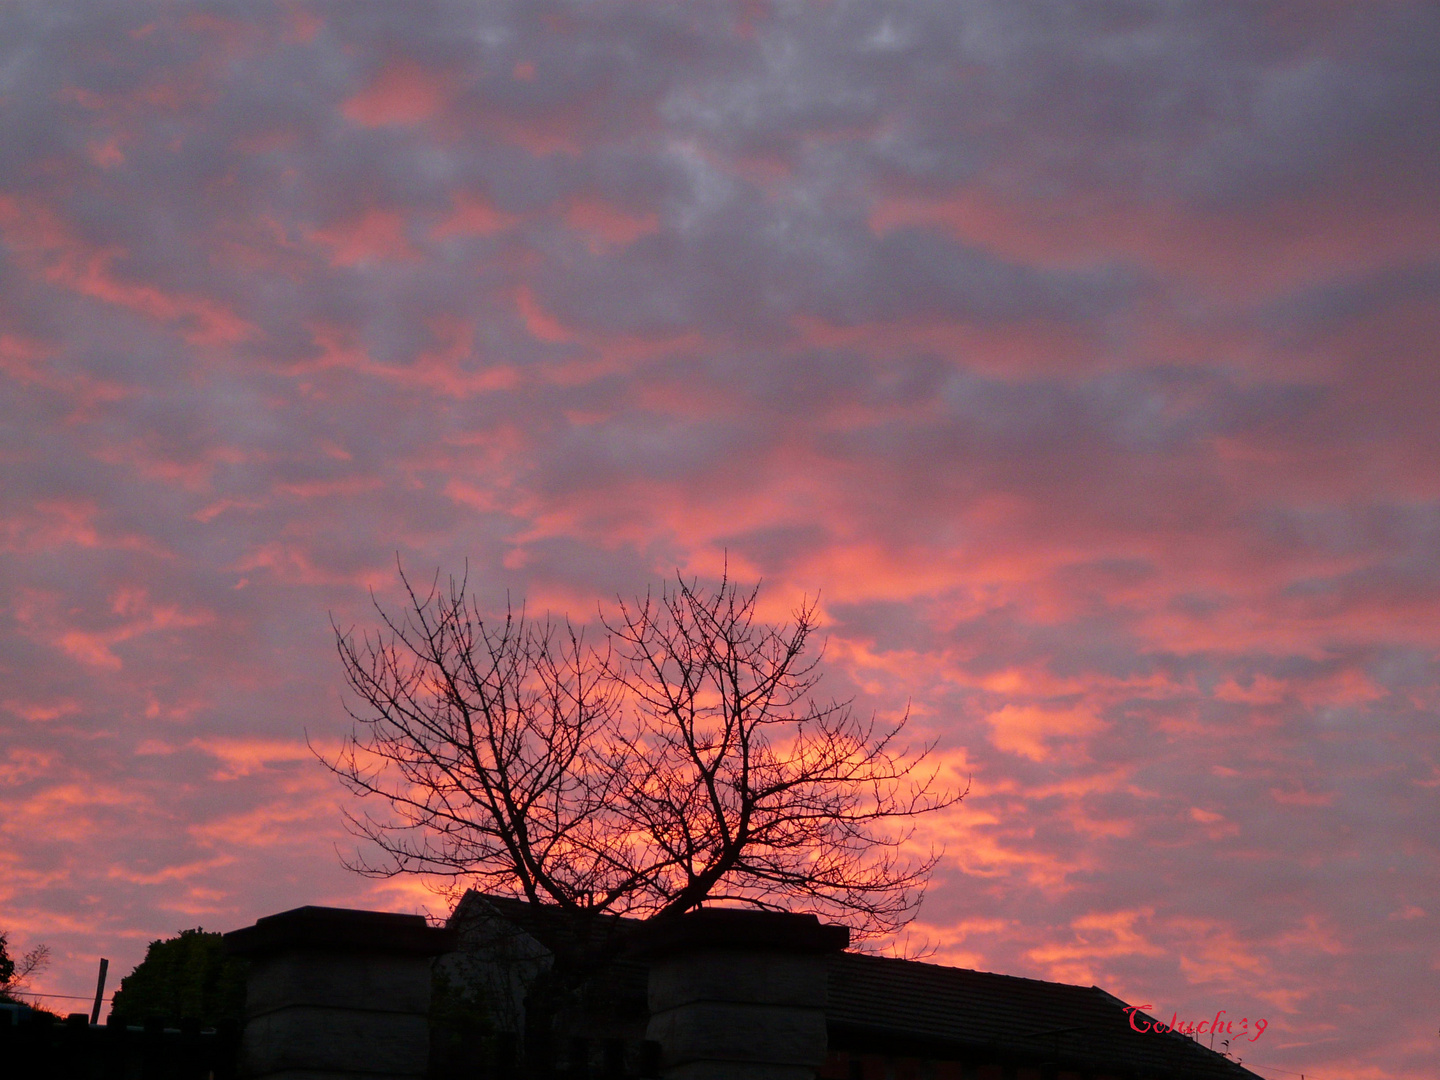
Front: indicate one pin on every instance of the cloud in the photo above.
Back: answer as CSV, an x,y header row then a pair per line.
x,y
1082,364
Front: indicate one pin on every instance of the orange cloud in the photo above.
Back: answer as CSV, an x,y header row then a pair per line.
x,y
293,819
1031,731
133,614
1099,938
70,811
170,874
241,757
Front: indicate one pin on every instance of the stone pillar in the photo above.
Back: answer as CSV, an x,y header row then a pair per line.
x,y
738,994
335,994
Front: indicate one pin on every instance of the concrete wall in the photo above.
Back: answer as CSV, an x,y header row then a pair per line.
x,y
740,995
336,994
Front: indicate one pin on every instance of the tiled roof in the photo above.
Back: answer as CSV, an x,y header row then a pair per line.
x,y
877,1001
909,1009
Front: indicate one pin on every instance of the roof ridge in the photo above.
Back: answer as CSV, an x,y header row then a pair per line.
x,y
973,971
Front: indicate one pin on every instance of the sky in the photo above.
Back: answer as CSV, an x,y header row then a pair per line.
x,y
1081,357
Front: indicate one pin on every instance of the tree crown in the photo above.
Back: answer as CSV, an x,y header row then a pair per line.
x,y
683,759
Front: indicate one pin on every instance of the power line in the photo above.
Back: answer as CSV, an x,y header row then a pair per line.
x,y
43,994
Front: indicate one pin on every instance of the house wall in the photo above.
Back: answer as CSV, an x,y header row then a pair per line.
x,y
337,994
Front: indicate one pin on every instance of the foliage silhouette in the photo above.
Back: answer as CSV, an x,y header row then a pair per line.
x,y
187,976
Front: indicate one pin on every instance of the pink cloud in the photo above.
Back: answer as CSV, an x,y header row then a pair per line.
x,y
62,258
401,93
609,226
1280,247
1095,397
472,216
376,234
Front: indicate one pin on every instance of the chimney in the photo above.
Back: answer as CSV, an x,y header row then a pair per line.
x,y
335,994
738,994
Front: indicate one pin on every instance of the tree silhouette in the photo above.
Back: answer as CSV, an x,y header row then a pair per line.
x,y
683,759
15,972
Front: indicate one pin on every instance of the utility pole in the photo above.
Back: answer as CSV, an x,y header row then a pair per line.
x,y
99,991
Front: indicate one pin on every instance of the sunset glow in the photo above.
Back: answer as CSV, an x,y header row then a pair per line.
x,y
1081,360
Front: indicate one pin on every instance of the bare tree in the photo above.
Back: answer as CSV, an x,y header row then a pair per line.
x,y
685,760
15,973
744,787
482,739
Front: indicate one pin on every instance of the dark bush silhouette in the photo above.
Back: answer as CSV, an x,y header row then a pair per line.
x,y
184,977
